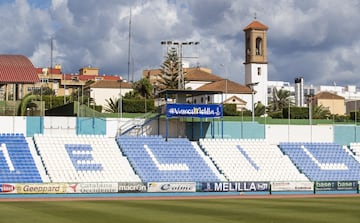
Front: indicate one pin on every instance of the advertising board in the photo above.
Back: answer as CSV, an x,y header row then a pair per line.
x,y
131,187
336,185
246,186
292,186
347,185
46,188
194,110
7,188
171,186
88,188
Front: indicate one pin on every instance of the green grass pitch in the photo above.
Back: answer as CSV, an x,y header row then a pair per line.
x,y
273,210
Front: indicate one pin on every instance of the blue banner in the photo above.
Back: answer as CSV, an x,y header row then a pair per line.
x,y
194,110
235,186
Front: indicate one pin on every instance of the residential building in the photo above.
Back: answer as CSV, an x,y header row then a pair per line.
x,y
17,72
104,90
333,102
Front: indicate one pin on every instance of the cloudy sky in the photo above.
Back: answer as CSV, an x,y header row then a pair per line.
x,y
315,39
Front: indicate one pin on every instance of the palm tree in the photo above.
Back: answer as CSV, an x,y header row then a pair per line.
x,y
112,105
281,99
320,112
144,88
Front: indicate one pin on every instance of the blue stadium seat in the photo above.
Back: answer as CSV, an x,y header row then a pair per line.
x,y
25,169
172,160
322,161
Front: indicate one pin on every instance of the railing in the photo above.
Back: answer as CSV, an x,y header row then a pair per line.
x,y
136,123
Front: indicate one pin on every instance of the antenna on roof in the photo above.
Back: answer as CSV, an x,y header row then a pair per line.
x,y
255,15
51,65
129,49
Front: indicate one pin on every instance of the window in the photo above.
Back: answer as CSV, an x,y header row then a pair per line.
x,y
259,71
258,46
44,80
248,51
312,91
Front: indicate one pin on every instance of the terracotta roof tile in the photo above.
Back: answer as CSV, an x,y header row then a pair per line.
x,y
111,77
17,69
148,73
39,70
90,77
327,95
54,71
230,87
111,84
197,74
256,25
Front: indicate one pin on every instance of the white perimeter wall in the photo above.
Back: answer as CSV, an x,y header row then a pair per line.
x,y
299,133
274,133
13,124
59,125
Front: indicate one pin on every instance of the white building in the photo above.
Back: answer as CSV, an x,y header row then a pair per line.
x,y
104,90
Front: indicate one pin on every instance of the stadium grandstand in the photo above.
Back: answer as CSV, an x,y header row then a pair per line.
x,y
185,142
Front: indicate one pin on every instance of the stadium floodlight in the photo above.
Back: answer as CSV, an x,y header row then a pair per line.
x,y
251,86
180,56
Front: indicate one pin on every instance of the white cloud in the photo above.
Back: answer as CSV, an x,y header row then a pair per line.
x,y
316,39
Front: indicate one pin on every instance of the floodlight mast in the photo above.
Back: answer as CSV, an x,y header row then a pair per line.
x,y
251,86
179,45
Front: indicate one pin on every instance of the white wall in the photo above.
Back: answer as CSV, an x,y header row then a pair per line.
x,y
102,94
251,76
246,97
59,125
12,124
274,133
299,133
195,84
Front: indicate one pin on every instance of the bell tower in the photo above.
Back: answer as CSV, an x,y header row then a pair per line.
x,y
256,69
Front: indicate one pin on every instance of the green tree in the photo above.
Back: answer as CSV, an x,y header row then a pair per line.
x,y
79,95
320,112
260,109
43,91
144,88
132,95
281,99
112,105
27,103
170,71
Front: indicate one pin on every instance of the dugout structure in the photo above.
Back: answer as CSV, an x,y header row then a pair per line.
x,y
184,104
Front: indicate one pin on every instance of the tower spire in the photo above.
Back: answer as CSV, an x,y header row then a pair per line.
x,y
256,70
